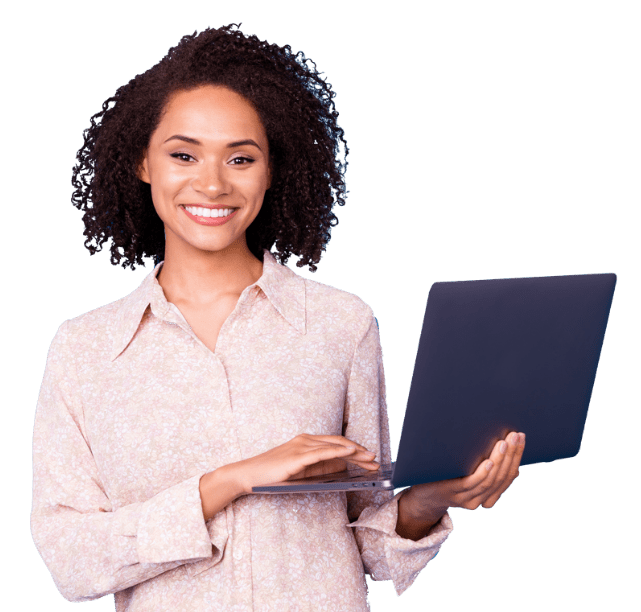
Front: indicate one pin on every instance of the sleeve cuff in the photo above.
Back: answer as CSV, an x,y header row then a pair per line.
x,y
403,558
171,527
218,534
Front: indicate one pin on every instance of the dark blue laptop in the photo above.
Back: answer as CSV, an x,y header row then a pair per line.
x,y
516,354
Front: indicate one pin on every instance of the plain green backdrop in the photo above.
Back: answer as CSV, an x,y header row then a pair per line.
x,y
487,140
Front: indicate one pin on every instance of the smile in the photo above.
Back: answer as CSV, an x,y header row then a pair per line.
x,y
209,212
209,216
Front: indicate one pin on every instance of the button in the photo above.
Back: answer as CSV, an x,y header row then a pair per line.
x,y
238,554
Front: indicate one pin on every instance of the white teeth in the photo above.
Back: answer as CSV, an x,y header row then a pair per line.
x,y
208,212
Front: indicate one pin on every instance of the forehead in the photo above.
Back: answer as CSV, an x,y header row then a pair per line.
x,y
210,112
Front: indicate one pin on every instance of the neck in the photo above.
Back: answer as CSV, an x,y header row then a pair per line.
x,y
200,277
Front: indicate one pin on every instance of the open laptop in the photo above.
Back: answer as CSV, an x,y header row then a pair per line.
x,y
494,356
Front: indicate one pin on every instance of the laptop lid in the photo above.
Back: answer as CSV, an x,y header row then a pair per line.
x,y
502,355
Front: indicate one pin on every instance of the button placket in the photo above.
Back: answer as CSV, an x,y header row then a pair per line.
x,y
240,537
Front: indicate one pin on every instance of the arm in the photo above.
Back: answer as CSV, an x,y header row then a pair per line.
x,y
218,489
386,553
90,547
414,524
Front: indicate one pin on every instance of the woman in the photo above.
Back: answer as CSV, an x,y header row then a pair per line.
x,y
224,370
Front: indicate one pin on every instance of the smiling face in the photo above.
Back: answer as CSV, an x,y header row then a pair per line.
x,y
208,167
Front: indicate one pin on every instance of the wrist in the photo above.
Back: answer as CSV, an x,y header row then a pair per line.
x,y
229,477
415,520
218,489
418,509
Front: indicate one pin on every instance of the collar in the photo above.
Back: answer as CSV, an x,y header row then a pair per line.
x,y
283,287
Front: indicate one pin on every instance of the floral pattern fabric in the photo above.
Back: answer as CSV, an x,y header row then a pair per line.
x,y
134,409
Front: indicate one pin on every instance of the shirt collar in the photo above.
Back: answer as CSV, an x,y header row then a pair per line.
x,y
285,290
283,287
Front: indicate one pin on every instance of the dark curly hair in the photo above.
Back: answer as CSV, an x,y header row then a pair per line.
x,y
308,151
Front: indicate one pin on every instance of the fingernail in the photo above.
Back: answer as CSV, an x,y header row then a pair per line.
x,y
522,438
503,447
489,466
515,438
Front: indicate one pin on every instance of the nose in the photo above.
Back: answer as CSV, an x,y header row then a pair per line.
x,y
211,180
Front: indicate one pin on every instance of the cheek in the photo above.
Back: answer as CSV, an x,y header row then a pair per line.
x,y
157,204
164,187
256,186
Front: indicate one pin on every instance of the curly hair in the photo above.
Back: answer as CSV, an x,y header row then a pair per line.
x,y
308,151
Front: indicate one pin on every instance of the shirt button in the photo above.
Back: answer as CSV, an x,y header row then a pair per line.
x,y
238,554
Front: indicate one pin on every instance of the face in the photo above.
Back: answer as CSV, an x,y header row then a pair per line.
x,y
208,167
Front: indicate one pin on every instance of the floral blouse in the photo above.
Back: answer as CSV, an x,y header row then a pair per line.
x,y
134,409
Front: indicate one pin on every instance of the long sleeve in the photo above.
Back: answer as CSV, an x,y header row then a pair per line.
x,y
90,547
385,555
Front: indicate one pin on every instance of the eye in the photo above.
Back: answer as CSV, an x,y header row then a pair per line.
x,y
181,156
241,160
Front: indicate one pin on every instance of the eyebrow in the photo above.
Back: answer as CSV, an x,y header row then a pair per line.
x,y
231,145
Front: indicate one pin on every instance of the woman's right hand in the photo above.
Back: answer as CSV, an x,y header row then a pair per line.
x,y
303,456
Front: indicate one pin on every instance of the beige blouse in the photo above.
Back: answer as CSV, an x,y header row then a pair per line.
x,y
134,409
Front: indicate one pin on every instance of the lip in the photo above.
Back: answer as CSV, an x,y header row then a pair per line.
x,y
210,220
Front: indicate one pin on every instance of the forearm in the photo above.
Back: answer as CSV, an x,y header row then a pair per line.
x,y
414,523
218,489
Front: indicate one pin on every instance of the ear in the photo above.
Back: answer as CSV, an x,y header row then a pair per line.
x,y
142,171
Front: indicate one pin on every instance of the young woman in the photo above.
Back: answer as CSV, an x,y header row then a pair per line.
x,y
224,370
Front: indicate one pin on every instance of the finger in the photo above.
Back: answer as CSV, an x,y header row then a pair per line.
x,y
326,452
330,458
358,456
482,478
342,440
361,454
511,472
507,448
363,459
482,483
497,485
352,453
367,465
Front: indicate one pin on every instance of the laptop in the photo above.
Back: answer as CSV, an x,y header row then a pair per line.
x,y
494,356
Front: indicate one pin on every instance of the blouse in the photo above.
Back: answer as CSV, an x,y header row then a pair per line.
x,y
134,409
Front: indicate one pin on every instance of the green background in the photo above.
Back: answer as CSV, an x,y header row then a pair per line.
x,y
488,139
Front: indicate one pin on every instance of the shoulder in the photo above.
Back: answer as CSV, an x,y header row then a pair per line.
x,y
319,295
337,307
93,331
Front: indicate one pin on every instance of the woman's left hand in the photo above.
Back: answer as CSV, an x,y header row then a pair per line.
x,y
422,506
